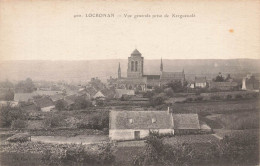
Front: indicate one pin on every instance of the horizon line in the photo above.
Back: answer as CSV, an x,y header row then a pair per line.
x,y
119,59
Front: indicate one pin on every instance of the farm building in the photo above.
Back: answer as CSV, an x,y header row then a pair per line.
x,y
186,123
45,104
129,125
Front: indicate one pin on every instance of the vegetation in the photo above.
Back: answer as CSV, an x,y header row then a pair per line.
x,y
26,86
78,154
230,150
9,114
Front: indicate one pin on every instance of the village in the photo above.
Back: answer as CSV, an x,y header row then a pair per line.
x,y
55,122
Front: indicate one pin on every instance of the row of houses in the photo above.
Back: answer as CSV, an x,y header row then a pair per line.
x,y
134,125
248,83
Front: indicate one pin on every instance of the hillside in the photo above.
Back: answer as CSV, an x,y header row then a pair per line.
x,y
83,70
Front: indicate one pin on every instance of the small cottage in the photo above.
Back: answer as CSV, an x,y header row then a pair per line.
x,y
130,125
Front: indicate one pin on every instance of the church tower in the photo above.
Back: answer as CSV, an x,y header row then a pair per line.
x,y
119,71
135,65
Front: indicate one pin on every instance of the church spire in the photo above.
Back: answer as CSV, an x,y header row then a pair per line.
x,y
161,67
119,71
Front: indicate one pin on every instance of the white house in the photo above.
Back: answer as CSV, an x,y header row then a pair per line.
x,y
129,125
200,82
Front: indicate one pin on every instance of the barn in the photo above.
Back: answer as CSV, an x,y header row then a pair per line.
x,y
130,125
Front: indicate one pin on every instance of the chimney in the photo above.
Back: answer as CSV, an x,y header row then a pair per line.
x,y
168,110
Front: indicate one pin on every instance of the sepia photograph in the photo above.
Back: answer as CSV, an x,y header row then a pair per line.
x,y
129,83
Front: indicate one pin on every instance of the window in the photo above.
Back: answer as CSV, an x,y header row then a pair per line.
x,y
132,65
131,121
136,64
153,120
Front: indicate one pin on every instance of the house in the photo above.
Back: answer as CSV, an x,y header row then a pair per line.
x,y
250,83
200,82
186,123
121,92
56,97
45,104
99,95
23,97
129,125
47,92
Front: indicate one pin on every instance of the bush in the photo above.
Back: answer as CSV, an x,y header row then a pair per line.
x,y
53,121
239,150
18,124
229,97
215,98
238,96
60,105
79,155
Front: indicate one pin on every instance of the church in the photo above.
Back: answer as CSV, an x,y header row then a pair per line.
x,y
137,80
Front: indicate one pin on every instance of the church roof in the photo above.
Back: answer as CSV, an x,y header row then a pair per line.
x,y
172,75
136,52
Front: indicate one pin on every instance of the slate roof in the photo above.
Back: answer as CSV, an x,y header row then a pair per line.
x,y
172,75
91,91
136,52
70,99
44,102
141,120
200,79
186,121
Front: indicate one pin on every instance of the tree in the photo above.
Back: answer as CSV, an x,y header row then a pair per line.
x,y
176,86
26,86
82,103
60,105
219,78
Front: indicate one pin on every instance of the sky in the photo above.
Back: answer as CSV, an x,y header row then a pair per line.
x,y
50,30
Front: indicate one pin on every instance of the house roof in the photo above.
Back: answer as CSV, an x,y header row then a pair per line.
x,y
91,91
70,99
172,75
200,79
142,80
121,92
186,121
136,52
47,92
44,102
109,93
56,97
23,96
98,95
140,120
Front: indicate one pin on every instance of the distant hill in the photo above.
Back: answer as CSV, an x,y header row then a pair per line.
x,y
77,71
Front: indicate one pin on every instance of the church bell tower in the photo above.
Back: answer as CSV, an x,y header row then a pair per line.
x,y
135,65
